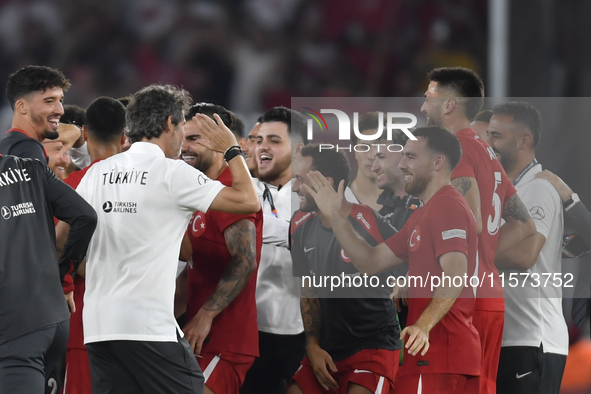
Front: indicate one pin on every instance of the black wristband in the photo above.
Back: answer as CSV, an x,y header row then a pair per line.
x,y
232,152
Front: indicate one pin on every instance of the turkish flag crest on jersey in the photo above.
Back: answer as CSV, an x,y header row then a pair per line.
x,y
197,224
415,239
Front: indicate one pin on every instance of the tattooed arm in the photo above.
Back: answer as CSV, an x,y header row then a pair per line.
x,y
241,242
468,187
518,224
319,358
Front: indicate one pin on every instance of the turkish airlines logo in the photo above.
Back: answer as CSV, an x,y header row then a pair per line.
x,y
198,224
5,211
415,239
107,206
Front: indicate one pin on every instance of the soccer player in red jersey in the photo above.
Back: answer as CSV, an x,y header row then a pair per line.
x,y
221,308
453,98
103,131
438,239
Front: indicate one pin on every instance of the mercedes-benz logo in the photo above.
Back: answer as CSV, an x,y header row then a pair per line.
x,y
107,206
6,214
537,213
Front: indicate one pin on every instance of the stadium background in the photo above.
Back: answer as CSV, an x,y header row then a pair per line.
x,y
250,55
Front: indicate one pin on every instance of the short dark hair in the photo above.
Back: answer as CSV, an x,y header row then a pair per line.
x,y
464,82
105,119
149,109
209,109
525,114
34,79
441,140
296,123
73,114
329,162
237,125
484,116
124,100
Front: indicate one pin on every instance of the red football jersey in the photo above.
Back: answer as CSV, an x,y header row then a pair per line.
x,y
445,224
76,338
479,161
235,329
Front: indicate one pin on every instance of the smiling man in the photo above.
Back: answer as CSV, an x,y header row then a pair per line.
x,y
281,338
57,159
35,94
438,239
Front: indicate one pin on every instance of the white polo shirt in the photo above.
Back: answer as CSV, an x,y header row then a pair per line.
x,y
144,202
533,313
277,292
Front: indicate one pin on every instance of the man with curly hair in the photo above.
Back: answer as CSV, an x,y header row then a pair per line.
x,y
35,94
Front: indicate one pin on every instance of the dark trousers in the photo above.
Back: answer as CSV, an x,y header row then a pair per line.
x,y
134,367
527,370
25,361
280,357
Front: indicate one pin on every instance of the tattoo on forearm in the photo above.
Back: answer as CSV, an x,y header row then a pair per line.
x,y
462,184
311,314
241,242
515,210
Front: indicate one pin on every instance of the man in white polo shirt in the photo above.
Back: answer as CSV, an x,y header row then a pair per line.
x,y
535,337
144,202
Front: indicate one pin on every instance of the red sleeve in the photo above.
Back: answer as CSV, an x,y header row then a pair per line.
x,y
450,231
68,284
223,219
398,244
510,190
467,163
73,179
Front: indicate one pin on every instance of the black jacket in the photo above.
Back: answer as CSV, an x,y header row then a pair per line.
x,y
30,287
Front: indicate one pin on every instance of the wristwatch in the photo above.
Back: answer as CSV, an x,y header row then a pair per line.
x,y
572,200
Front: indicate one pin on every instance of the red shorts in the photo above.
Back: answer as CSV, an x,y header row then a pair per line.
x,y
77,380
437,383
490,329
373,369
225,372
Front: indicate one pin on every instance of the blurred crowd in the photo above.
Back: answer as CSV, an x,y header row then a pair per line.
x,y
247,55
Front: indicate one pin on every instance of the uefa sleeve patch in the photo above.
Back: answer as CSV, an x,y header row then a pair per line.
x,y
455,233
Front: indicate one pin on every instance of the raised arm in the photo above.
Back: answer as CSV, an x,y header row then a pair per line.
x,y
241,198
241,242
574,209
367,259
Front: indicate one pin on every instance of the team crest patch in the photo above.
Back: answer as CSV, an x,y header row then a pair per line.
x,y
455,233
197,224
344,256
415,239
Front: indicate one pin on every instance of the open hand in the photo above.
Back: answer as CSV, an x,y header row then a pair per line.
x,y
319,360
216,137
198,329
418,339
70,301
328,201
